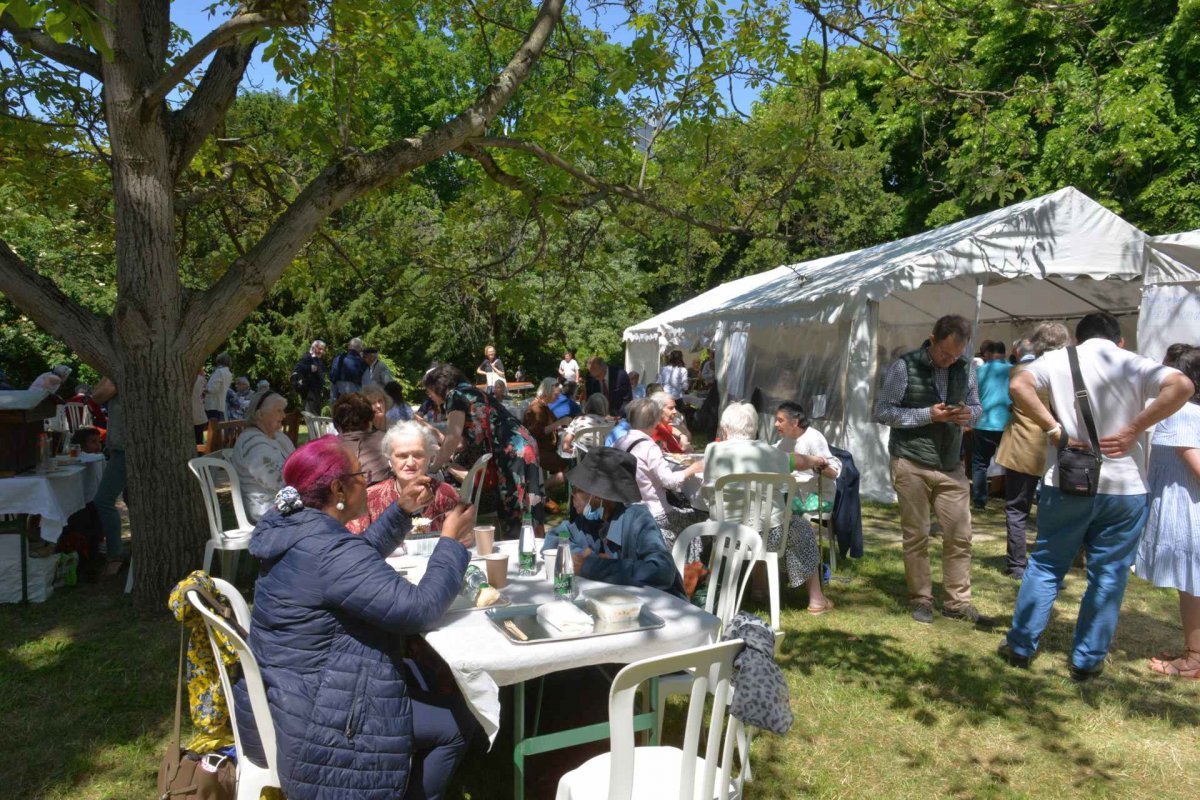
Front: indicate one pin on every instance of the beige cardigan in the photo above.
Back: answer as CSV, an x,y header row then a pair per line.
x,y
1023,445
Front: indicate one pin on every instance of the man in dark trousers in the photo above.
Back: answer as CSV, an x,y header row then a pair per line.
x,y
308,378
611,381
347,370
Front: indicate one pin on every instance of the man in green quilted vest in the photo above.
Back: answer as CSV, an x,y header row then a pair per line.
x,y
927,398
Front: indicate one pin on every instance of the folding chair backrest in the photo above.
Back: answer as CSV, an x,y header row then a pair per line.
x,y
207,469
78,416
710,669
241,611
735,549
472,487
761,500
251,674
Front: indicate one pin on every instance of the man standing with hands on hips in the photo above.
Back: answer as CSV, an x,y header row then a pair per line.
x,y
1099,392
927,398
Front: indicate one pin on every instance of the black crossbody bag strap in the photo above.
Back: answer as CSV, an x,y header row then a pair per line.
x,y
1085,405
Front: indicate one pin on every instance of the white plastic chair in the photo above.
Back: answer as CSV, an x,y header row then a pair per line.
x,y
78,416
663,772
472,486
735,550
251,778
760,500
317,426
592,436
207,470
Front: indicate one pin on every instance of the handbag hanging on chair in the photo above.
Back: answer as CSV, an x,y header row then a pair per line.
x,y
193,776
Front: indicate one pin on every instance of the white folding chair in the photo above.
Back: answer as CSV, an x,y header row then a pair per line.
x,y
251,778
662,772
472,487
760,500
207,470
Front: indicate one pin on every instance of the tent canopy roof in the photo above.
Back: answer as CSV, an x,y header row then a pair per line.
x,y
1174,258
1057,237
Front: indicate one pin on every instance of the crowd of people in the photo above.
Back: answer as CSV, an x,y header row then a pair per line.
x,y
1067,418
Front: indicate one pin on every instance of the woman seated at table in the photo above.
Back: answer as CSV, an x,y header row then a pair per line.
x,y
479,423
260,451
667,433
541,422
352,719
408,447
612,535
809,450
399,410
739,451
380,404
595,414
354,418
656,475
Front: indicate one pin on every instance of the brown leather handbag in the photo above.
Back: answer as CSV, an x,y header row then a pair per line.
x,y
193,776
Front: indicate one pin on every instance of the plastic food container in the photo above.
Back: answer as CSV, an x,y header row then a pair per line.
x,y
421,545
613,605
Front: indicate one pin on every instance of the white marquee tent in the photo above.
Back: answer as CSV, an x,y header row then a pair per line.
x,y
824,331
1171,302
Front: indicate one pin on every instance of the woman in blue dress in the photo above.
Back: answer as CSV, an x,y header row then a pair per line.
x,y
481,424
1169,552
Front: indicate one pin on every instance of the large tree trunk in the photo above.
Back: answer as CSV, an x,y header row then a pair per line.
x,y
157,364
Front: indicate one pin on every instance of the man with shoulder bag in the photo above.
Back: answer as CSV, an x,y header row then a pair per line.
x,y
1094,489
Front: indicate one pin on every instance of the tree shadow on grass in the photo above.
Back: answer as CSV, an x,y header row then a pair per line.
x,y
85,690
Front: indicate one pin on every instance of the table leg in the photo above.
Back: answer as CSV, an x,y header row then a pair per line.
x,y
24,567
519,741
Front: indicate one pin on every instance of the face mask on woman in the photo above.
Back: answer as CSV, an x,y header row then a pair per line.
x,y
593,514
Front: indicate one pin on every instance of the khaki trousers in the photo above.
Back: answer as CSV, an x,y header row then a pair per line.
x,y
920,488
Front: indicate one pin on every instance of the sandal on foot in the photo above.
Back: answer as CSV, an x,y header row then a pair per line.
x,y
1186,666
824,608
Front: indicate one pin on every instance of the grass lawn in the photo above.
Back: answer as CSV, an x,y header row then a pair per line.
x,y
885,708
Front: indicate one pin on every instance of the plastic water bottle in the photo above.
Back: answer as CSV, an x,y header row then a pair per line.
x,y
564,573
527,547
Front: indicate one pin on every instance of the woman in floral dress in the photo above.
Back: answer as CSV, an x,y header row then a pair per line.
x,y
481,425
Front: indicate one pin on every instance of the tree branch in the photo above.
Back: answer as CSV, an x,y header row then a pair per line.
x,y
53,311
68,55
213,314
621,190
225,33
204,110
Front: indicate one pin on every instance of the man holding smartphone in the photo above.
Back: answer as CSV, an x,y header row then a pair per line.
x,y
928,396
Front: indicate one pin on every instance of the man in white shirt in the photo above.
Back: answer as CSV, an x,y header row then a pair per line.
x,y
1107,525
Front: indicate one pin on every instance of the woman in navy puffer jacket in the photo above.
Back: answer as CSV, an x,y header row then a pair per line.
x,y
328,626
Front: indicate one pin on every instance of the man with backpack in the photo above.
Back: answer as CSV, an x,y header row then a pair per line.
x,y
1094,492
308,378
346,372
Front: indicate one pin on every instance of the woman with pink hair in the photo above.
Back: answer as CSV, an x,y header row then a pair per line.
x,y
353,718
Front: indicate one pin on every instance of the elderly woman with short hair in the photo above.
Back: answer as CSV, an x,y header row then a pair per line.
x,y
260,451
655,475
408,447
666,434
354,418
542,424
739,451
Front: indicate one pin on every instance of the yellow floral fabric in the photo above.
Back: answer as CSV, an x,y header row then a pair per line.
x,y
208,706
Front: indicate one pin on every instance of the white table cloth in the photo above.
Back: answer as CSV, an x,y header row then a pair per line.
x,y
53,495
483,659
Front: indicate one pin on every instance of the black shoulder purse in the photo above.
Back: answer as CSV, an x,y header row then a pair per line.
x,y
1079,467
